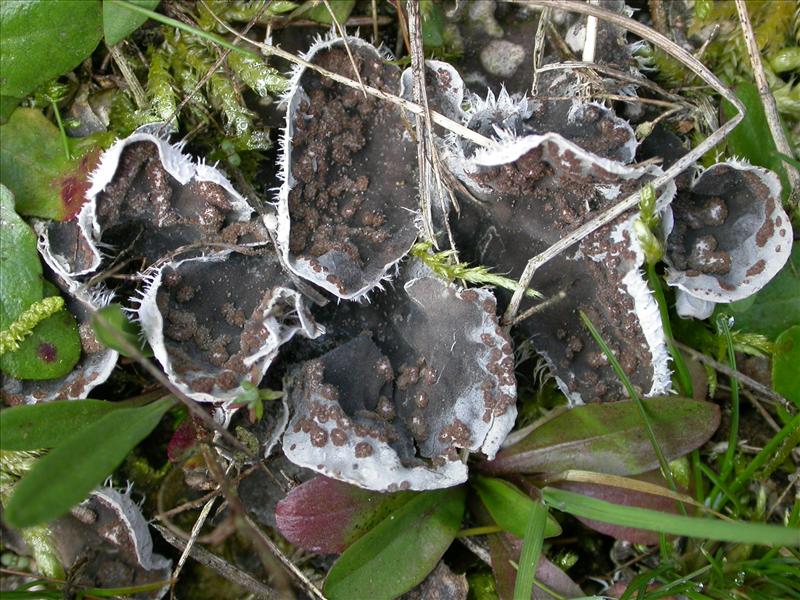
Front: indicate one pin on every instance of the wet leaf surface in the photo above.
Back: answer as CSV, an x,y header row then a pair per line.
x,y
610,438
43,39
119,22
378,565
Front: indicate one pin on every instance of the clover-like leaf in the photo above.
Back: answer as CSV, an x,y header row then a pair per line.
x,y
345,213
40,340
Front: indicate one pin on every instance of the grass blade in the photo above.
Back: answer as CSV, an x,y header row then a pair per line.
x,y
738,531
727,463
64,477
510,506
662,460
531,549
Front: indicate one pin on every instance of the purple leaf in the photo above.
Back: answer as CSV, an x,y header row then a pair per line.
x,y
326,516
610,438
504,549
624,497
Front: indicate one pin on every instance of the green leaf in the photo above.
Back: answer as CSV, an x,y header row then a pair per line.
x,y
64,477
20,269
531,550
509,506
400,551
119,22
326,516
32,164
775,308
317,11
42,39
610,438
752,138
53,348
432,24
33,426
111,325
785,363
740,532
7,106
49,352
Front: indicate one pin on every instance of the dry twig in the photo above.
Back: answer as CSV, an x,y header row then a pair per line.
x,y
219,565
768,100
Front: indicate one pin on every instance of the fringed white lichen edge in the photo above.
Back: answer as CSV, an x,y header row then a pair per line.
x,y
293,96
469,407
510,148
131,516
454,94
149,317
383,470
177,164
697,296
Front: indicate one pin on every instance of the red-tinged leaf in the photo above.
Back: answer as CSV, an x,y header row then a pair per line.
x,y
326,516
400,551
45,182
625,497
184,438
610,438
505,549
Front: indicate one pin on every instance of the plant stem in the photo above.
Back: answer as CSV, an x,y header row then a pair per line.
x,y
64,141
662,460
683,377
727,463
485,530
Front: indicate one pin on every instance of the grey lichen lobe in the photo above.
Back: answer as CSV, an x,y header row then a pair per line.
x,y
730,237
426,372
